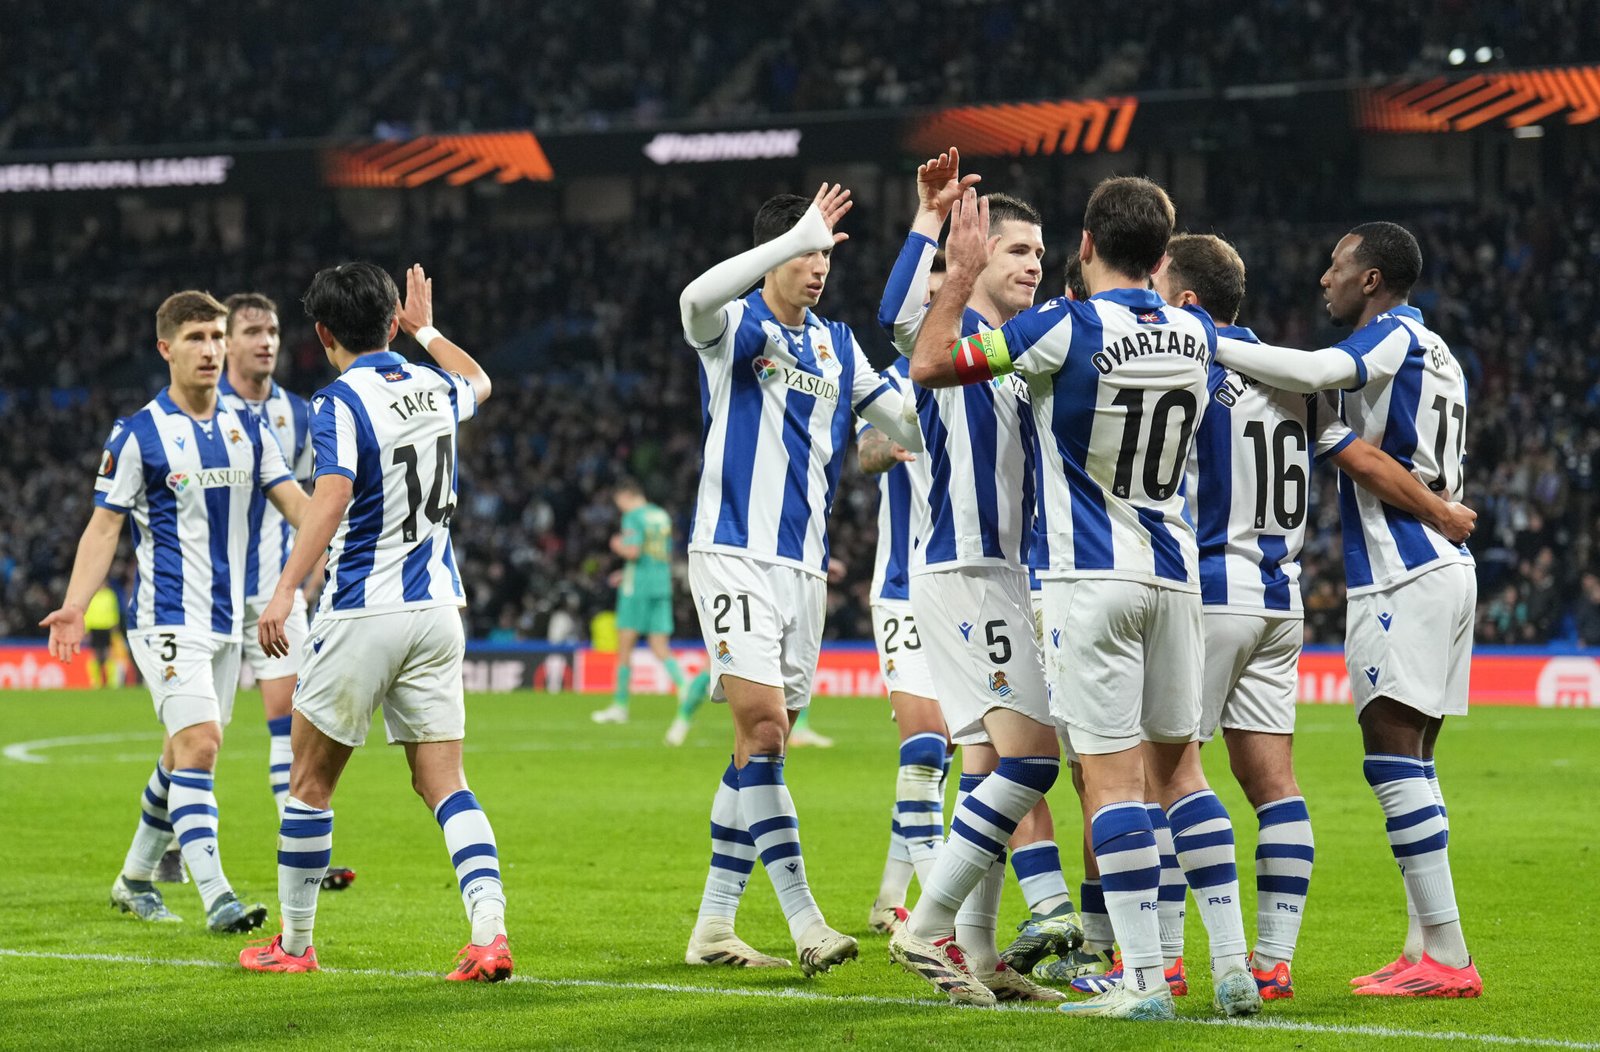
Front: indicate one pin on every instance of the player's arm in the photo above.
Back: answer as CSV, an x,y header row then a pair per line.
x,y
1288,369
416,318
937,353
905,296
629,543
96,548
324,510
703,299
877,453
878,399
290,500
1387,479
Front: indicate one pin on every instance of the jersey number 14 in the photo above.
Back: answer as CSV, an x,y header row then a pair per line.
x,y
438,511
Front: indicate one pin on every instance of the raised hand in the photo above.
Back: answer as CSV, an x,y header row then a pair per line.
x,y
966,249
417,310
940,183
833,202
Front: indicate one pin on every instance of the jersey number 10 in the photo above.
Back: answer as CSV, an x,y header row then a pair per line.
x,y
1156,487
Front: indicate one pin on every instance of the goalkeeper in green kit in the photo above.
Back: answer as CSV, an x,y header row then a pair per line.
x,y
644,595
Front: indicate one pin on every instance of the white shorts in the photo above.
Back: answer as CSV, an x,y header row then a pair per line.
x,y
1413,642
977,626
1252,673
901,659
1126,658
295,628
761,622
192,675
408,662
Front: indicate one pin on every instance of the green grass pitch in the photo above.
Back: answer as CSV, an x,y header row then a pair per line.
x,y
602,835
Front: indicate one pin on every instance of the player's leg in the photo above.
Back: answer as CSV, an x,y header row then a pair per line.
x,y
1052,927
627,639
277,702
661,646
916,829
803,735
1172,898
134,890
693,695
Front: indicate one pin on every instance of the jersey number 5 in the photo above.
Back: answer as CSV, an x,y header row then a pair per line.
x,y
443,479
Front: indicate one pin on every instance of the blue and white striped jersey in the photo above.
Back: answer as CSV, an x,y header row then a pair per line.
x,y
902,513
389,426
776,408
980,441
186,486
1249,480
288,417
1119,383
1411,402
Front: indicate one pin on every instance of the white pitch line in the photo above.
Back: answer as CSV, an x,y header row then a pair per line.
x,y
23,752
843,999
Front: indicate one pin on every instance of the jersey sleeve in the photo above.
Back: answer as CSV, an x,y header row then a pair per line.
x,y
905,297
462,394
333,436
1034,343
304,462
121,476
722,345
868,385
633,529
272,467
1379,349
1330,434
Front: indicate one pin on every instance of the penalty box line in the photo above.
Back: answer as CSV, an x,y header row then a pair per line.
x,y
1258,1023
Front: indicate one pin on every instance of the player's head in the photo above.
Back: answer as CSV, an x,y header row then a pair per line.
x,y
1374,265
1202,269
355,306
627,494
1073,277
1126,226
190,335
800,281
936,273
1016,249
253,337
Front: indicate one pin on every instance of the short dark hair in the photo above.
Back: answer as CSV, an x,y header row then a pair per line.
x,y
627,485
180,308
937,266
247,301
1209,267
1390,249
1131,219
1073,275
356,301
1003,208
778,214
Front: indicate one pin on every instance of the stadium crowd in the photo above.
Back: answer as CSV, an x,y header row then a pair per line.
x,y
580,324
448,67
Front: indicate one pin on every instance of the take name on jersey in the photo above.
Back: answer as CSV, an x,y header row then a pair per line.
x,y
1411,402
1119,383
776,408
980,439
187,487
1249,485
902,512
288,417
390,426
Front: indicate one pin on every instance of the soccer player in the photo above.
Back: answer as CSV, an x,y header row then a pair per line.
x,y
779,385
183,469
1248,485
388,629
1119,384
969,591
916,827
644,598
101,618
1412,588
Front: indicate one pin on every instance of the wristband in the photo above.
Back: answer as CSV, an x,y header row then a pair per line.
x,y
426,335
980,357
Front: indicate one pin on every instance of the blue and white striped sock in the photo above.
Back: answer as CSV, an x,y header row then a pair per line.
x,y
769,814
979,917
919,806
279,757
1284,854
897,868
154,832
733,855
1097,934
1038,869
1130,878
1174,895
1419,837
470,840
983,823
1202,833
305,843
192,803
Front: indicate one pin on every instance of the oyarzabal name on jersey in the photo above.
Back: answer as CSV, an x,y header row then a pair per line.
x,y
1158,341
210,478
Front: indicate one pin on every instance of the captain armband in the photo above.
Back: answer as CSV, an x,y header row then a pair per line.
x,y
981,356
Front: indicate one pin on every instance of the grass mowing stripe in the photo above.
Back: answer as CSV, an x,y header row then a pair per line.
x,y
806,995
